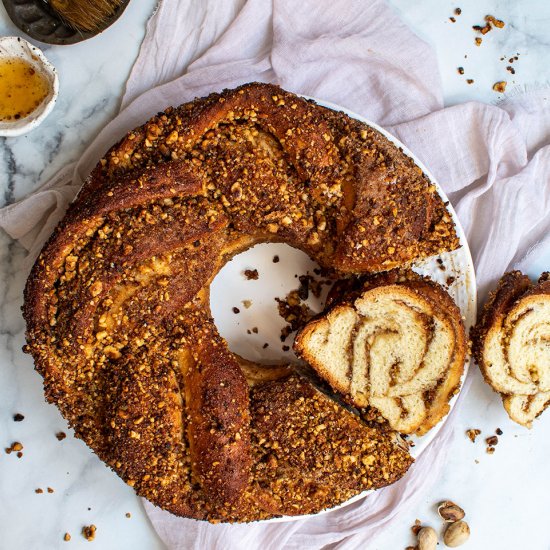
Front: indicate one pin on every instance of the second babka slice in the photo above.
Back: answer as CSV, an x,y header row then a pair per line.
x,y
393,341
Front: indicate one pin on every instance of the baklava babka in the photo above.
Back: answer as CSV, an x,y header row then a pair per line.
x,y
511,344
396,343
117,304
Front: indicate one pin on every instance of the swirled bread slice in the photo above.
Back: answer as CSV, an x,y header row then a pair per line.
x,y
397,345
511,344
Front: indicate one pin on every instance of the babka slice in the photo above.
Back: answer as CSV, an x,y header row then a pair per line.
x,y
511,344
396,343
310,453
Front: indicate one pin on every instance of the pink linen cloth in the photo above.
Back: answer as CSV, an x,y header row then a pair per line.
x,y
493,163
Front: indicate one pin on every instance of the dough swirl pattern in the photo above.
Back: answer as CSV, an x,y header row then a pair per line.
x,y
511,343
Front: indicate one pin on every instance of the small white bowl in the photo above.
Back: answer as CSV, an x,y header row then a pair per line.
x,y
14,46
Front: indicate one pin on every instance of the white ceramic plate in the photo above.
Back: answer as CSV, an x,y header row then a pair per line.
x,y
15,46
230,288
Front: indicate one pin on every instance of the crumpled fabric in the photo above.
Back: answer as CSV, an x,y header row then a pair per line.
x,y
493,163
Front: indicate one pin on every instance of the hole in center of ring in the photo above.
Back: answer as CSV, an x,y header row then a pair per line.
x,y
245,309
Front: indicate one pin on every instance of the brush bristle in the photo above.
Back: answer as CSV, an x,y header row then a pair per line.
x,y
85,15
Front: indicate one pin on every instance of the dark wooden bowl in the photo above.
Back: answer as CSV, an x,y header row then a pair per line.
x,y
36,19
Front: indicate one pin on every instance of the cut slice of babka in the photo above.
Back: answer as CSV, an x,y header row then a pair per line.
x,y
395,343
511,344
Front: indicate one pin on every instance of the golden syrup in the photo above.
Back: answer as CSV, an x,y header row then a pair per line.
x,y
22,88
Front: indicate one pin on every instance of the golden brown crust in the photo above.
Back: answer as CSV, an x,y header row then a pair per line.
x,y
121,287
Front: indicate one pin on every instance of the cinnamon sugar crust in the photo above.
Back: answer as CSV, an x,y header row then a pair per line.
x,y
116,305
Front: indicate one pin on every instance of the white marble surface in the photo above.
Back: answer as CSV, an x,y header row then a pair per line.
x,y
506,495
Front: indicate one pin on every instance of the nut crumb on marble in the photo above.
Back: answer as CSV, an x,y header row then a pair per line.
x,y
276,259
39,491
490,450
500,86
236,310
89,531
472,434
470,81
66,537
498,431
60,436
50,490
18,417
15,447
128,515
247,303
492,441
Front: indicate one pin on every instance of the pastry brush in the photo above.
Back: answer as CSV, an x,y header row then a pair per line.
x,y
85,15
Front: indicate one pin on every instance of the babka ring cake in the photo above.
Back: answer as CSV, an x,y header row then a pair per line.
x,y
117,303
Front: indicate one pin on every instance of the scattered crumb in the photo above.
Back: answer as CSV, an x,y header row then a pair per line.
x,y
236,310
255,330
294,312
452,19
286,348
61,436
490,450
15,446
500,87
66,537
18,417
511,69
498,431
450,280
492,441
470,81
416,527
460,70
88,532
39,491
251,274
265,345
472,434
128,515
491,20
50,490
411,548
307,283
458,11
478,41
476,461
19,454
247,303
276,259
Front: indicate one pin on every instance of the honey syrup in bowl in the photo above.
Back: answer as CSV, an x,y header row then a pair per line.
x,y
28,86
22,88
